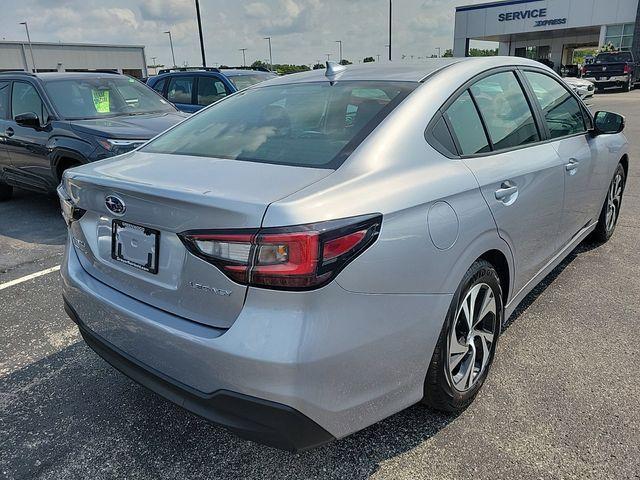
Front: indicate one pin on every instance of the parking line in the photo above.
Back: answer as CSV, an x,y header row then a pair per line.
x,y
29,277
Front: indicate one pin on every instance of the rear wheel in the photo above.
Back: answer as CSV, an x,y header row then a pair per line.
x,y
629,86
6,192
611,209
467,343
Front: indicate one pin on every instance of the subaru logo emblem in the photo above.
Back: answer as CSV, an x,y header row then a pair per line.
x,y
115,204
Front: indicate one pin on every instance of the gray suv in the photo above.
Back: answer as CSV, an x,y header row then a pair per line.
x,y
322,250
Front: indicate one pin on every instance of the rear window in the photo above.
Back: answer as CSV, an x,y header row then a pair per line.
x,y
308,124
613,57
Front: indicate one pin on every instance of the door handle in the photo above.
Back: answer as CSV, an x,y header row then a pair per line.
x,y
572,166
506,191
9,132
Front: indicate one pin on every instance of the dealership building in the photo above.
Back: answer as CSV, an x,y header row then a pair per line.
x,y
548,29
72,57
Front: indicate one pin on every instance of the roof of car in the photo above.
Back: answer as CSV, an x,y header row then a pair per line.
x,y
234,72
49,76
400,71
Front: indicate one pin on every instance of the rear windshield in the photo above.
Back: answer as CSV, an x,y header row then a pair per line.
x,y
245,81
98,97
613,57
306,124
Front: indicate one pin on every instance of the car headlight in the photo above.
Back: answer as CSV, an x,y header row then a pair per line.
x,y
117,146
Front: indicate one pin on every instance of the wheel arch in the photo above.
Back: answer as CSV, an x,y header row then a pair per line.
x,y
625,164
499,261
64,158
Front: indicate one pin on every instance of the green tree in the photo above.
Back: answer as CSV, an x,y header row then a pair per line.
x,y
345,62
318,66
368,60
483,52
448,53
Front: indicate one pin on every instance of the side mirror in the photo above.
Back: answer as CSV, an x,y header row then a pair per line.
x,y
607,123
29,119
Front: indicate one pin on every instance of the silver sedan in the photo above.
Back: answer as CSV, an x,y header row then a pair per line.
x,y
315,253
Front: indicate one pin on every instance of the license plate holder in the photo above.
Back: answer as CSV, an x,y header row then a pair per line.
x,y
135,245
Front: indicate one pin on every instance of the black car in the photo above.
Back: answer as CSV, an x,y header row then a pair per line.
x,y
53,121
613,69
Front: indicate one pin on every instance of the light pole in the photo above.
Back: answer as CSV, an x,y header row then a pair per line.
x,y
340,43
204,62
390,11
270,56
439,51
33,61
378,57
173,56
328,56
155,65
244,58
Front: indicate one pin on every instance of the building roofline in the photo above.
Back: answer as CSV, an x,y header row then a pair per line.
x,y
501,3
69,44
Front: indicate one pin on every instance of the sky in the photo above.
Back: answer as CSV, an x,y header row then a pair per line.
x,y
302,31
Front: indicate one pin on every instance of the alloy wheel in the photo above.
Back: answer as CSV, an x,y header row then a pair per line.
x,y
614,199
472,337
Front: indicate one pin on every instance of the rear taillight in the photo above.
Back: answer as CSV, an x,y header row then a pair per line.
x,y
293,258
627,69
584,71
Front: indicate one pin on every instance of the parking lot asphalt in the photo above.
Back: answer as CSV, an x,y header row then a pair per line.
x,y
562,401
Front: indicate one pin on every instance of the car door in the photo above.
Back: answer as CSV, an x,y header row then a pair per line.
x,y
564,119
5,108
28,145
520,176
181,92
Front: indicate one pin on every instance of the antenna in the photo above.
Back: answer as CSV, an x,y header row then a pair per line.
x,y
333,69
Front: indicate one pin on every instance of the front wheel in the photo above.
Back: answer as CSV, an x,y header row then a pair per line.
x,y
464,353
611,209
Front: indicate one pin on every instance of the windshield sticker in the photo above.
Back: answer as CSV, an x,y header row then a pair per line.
x,y
101,101
131,80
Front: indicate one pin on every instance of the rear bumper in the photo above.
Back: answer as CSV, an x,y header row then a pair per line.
x,y
615,81
252,418
342,360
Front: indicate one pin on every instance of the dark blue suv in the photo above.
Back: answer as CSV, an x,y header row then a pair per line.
x,y
52,121
193,88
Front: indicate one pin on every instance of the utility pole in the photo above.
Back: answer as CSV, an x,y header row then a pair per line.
x,y
328,56
171,43
439,51
204,62
33,61
155,65
270,56
390,11
378,57
244,58
340,43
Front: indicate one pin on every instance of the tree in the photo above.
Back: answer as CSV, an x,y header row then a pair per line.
x,y
448,53
483,52
318,66
368,60
345,62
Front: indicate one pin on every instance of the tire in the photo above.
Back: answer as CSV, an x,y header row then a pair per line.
x,y
449,389
612,204
6,192
629,86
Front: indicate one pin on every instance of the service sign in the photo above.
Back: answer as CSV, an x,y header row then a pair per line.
x,y
538,15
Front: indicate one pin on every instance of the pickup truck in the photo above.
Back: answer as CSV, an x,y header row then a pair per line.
x,y
613,69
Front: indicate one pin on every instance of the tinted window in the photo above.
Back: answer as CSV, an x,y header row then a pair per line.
x,y
306,124
210,89
505,111
562,112
159,85
244,81
180,89
95,97
467,126
4,99
614,57
442,135
25,99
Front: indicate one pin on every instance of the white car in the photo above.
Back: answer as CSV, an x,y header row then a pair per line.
x,y
584,88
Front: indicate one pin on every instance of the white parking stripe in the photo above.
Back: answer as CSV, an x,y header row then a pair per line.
x,y
29,277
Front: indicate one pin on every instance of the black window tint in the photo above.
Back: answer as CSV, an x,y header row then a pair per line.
x,y
4,100
505,111
562,112
210,90
25,99
180,89
467,126
442,135
159,85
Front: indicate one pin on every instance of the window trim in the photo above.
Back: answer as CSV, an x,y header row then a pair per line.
x,y
531,98
9,83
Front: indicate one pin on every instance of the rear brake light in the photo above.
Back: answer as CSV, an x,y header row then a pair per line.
x,y
627,69
584,71
294,258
